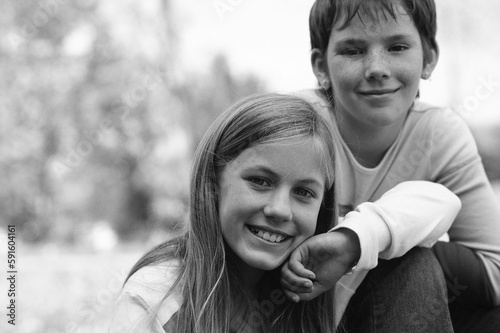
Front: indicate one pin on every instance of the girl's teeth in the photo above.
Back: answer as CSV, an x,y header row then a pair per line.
x,y
267,236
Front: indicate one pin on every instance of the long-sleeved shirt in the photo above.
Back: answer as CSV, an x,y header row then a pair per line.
x,y
434,145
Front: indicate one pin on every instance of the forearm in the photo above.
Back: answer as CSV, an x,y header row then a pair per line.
x,y
411,214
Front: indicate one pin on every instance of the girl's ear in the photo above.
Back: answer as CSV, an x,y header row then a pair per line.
x,y
430,64
319,65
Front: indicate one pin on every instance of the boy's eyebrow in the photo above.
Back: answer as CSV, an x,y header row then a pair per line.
x,y
357,41
399,37
350,41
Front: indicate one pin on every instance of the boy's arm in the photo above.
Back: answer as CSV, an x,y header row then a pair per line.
x,y
475,233
412,214
471,259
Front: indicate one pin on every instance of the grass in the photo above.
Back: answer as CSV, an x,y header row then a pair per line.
x,y
64,290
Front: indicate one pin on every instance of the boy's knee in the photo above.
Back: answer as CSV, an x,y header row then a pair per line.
x,y
422,266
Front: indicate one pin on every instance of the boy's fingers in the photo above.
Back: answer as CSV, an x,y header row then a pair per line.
x,y
297,268
290,286
292,296
297,281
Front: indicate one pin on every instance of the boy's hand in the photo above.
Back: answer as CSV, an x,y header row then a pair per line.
x,y
318,263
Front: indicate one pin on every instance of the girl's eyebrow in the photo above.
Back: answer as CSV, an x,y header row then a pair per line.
x,y
310,182
271,173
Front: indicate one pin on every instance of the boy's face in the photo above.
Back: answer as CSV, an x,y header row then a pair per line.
x,y
375,69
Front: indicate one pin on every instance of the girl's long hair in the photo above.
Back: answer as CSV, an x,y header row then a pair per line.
x,y
207,277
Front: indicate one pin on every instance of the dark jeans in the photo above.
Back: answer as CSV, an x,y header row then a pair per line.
x,y
406,294
469,292
472,319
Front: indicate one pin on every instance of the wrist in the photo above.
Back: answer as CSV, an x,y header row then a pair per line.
x,y
352,246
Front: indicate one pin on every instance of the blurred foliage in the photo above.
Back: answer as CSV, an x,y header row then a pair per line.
x,y
98,123
98,119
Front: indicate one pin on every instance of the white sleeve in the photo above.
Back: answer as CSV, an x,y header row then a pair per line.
x,y
413,213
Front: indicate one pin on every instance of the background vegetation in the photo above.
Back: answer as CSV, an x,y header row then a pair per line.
x,y
99,116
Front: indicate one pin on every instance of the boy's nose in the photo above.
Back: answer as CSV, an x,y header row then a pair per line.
x,y
279,207
377,66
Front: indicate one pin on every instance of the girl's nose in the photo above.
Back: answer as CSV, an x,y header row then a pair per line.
x,y
377,66
279,207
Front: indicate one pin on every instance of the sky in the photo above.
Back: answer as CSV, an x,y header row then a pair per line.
x,y
271,39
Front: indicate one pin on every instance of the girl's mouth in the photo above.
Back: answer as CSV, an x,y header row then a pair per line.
x,y
269,236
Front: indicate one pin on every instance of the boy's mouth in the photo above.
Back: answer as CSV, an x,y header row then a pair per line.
x,y
267,235
378,92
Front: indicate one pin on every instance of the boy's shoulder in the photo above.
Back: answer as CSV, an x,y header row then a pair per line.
x,y
313,96
319,102
439,116
425,107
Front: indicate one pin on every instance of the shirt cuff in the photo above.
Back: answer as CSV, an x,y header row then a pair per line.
x,y
373,233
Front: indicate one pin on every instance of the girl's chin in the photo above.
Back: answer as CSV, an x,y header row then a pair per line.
x,y
265,264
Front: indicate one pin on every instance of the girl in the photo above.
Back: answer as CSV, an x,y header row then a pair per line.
x,y
261,184
369,57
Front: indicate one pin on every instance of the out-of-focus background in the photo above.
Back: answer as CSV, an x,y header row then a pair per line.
x,y
102,104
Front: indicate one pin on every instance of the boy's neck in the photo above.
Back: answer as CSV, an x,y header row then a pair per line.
x,y
369,144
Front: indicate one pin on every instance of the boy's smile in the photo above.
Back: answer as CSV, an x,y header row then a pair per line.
x,y
375,70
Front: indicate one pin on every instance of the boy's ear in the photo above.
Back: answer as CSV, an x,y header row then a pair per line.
x,y
430,64
319,65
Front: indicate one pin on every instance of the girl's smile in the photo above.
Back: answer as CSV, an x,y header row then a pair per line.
x,y
270,197
269,235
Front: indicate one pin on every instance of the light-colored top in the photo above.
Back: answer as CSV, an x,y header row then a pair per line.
x,y
434,145
420,211
142,305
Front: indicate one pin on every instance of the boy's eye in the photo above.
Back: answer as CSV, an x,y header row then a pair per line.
x,y
398,48
351,52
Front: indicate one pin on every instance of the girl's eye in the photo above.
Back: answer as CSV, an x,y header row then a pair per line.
x,y
304,193
259,181
398,48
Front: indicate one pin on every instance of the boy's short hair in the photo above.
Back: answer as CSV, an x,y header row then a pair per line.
x,y
327,13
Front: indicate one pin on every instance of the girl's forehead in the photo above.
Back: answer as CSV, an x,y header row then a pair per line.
x,y
303,153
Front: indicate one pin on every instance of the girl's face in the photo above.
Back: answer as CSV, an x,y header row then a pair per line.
x,y
375,70
269,200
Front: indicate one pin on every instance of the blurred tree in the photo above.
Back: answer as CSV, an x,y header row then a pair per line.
x,y
92,103
205,97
